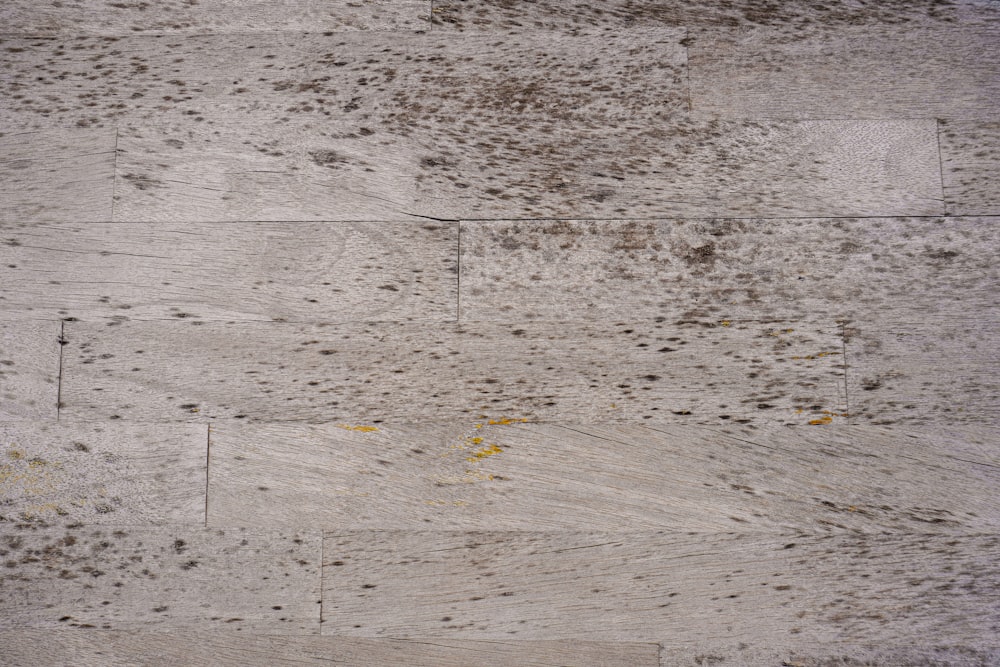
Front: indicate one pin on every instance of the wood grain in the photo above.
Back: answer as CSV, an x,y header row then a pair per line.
x,y
685,370
970,163
102,474
646,586
833,654
159,578
56,175
109,648
588,477
726,268
29,370
850,73
260,271
924,370
51,18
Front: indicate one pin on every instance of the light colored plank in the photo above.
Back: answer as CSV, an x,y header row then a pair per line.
x,y
849,73
52,18
29,370
102,474
648,586
728,268
259,271
924,369
970,162
108,648
694,371
547,477
159,578
831,654
57,175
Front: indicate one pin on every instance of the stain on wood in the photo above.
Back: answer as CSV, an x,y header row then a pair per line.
x,y
970,163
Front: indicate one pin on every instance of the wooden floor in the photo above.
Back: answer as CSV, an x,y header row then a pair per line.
x,y
496,332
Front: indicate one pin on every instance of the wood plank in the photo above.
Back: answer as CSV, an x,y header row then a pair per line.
x,y
728,268
970,163
29,370
57,175
547,477
849,73
831,654
693,371
259,271
646,586
52,18
107,648
159,578
102,474
924,370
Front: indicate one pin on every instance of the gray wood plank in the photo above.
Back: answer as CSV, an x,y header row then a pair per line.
x,y
547,477
728,268
646,586
159,578
924,369
52,18
102,474
29,370
57,175
696,371
833,654
109,648
259,271
970,163
849,73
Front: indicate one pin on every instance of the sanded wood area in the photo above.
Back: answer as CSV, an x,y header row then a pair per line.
x,y
660,370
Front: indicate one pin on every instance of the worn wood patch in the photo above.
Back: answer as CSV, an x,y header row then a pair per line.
x,y
692,371
548,477
51,18
725,268
924,369
106,648
646,586
102,474
57,175
157,578
260,271
970,163
29,370
850,73
832,654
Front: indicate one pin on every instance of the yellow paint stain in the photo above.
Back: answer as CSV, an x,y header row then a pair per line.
x,y
484,453
725,323
16,454
506,420
477,440
798,411
36,463
361,428
822,420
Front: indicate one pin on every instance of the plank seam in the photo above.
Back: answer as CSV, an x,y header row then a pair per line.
x,y
322,574
208,459
62,344
458,295
114,177
847,400
937,134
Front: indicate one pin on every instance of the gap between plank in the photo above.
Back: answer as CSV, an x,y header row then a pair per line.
x,y
208,459
62,344
847,400
937,134
458,267
114,177
322,592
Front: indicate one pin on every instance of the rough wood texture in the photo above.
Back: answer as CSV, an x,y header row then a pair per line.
x,y
970,163
885,72
547,477
132,577
53,18
924,369
647,586
29,370
829,654
108,648
691,371
56,175
260,271
726,268
102,474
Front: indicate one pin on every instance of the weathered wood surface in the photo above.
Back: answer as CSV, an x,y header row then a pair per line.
x,y
970,163
55,18
649,586
850,73
686,371
726,268
109,648
159,578
102,474
259,271
546,477
29,370
56,175
924,369
729,653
